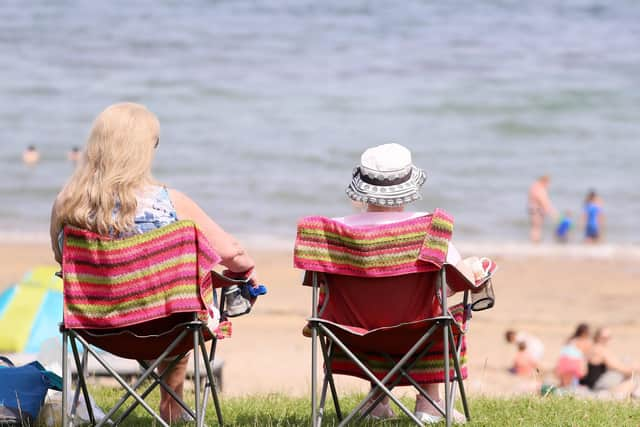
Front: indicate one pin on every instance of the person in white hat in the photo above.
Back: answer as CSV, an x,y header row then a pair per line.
x,y
383,184
385,181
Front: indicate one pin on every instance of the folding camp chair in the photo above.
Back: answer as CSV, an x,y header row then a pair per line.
x,y
148,297
380,309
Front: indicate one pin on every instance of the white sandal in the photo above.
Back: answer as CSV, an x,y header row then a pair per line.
x,y
430,418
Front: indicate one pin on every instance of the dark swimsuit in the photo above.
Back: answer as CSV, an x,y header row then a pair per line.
x,y
594,372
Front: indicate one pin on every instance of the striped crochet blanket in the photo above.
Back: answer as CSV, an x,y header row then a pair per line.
x,y
110,283
404,247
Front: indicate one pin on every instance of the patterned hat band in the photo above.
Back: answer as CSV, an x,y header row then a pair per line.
x,y
385,181
396,191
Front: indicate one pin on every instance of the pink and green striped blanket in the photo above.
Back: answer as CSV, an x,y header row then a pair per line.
x,y
111,283
410,246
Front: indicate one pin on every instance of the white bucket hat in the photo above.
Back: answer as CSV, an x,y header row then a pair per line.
x,y
386,177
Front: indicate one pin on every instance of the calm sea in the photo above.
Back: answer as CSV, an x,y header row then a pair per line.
x,y
266,106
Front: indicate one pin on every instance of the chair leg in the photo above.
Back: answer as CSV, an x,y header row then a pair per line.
x,y
211,380
327,382
66,378
456,364
400,366
81,382
373,378
196,373
404,373
158,380
314,365
328,354
445,342
130,391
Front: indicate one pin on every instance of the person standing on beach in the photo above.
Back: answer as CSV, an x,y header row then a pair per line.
x,y
593,218
539,206
112,192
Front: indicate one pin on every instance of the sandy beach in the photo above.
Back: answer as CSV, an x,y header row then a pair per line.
x,y
542,292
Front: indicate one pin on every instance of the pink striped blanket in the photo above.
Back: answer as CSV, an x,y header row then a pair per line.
x,y
111,283
404,247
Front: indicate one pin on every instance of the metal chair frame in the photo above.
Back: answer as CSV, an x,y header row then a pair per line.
x,y
321,334
71,337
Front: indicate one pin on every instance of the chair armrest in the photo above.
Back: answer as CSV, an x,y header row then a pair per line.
x,y
458,282
220,281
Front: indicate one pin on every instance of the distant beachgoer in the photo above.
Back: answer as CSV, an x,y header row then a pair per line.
x,y
539,206
565,224
533,344
30,156
572,363
74,155
524,365
605,371
593,218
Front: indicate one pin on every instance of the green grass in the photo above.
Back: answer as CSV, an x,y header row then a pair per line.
x,y
280,410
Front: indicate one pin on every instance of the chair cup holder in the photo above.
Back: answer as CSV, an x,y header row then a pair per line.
x,y
484,298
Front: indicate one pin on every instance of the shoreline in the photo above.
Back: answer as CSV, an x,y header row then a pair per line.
x,y
497,248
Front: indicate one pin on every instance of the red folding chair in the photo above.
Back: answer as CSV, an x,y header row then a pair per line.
x,y
380,309
148,297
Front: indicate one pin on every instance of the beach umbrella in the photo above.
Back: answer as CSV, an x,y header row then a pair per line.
x,y
30,311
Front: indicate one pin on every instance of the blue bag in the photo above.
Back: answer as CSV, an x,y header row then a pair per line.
x,y
23,390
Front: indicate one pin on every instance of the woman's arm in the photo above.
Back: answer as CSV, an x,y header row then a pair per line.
x,y
614,364
233,255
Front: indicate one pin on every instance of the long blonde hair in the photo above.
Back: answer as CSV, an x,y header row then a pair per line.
x,y
115,164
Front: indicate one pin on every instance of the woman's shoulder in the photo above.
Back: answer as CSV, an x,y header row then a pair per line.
x,y
184,205
154,190
154,197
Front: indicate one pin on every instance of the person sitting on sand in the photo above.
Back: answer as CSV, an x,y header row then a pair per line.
x,y
383,201
530,346
524,365
30,156
606,372
539,206
112,192
572,363
534,346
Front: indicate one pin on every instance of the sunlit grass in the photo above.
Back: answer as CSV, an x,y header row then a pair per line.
x,y
281,410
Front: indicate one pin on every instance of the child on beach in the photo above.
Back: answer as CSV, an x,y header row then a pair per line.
x,y
593,217
530,352
524,365
564,227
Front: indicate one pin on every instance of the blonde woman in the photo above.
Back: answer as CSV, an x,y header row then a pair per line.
x,y
112,192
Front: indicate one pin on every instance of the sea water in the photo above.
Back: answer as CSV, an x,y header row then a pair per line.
x,y
265,107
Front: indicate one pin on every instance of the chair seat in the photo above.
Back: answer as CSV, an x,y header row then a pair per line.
x,y
144,341
397,339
